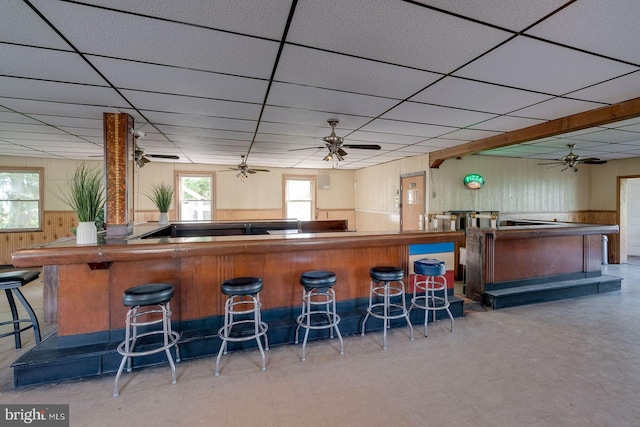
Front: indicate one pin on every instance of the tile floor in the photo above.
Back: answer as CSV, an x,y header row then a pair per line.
x,y
565,363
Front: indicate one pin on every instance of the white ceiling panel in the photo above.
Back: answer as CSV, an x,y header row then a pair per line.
x,y
311,118
515,15
254,17
432,114
179,81
192,105
120,35
19,24
557,107
539,66
406,128
507,123
59,92
341,72
592,25
37,63
395,32
612,91
461,93
204,79
327,100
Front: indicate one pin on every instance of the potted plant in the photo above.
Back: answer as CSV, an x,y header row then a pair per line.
x,y
161,196
85,194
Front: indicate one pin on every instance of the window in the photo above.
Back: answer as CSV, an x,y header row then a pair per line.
x,y
21,199
195,196
299,195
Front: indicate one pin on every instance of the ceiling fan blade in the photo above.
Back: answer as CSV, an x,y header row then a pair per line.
x,y
341,152
363,146
552,163
259,170
163,156
593,161
145,160
308,148
251,171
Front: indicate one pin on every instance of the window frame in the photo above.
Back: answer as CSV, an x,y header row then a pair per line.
x,y
178,186
312,180
40,172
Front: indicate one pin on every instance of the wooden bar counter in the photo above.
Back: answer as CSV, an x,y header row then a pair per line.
x,y
91,279
528,252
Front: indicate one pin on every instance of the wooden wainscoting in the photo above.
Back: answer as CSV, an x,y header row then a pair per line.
x,y
56,225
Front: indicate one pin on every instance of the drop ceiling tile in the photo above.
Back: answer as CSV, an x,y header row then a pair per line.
x,y
431,114
440,143
470,134
556,107
609,136
47,64
395,32
97,132
120,35
513,15
181,133
36,128
70,121
604,28
311,118
255,17
539,66
340,72
155,78
58,92
192,120
51,108
507,123
192,105
479,96
295,130
374,137
612,91
335,102
406,128
20,24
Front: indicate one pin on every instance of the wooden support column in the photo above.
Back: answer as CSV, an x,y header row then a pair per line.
x,y
118,150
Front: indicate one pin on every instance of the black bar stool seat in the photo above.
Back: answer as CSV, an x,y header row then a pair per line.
x,y
11,282
318,293
149,305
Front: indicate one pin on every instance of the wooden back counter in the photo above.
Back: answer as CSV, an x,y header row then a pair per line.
x,y
532,251
90,280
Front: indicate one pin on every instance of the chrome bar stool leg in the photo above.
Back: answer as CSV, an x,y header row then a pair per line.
x,y
430,279
243,299
318,293
381,286
148,305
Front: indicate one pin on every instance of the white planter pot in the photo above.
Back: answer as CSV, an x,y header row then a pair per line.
x,y
164,218
86,233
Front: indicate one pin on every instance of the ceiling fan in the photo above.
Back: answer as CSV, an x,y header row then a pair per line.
x,y
138,153
335,144
571,160
244,169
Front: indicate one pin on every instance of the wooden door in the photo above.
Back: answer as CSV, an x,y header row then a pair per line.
x,y
412,207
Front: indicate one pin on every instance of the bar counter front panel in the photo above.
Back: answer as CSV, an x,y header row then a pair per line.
x,y
91,280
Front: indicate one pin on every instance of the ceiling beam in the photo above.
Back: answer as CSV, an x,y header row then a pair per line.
x,y
600,116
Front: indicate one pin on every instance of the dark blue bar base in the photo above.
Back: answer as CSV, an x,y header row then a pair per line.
x,y
522,293
66,358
